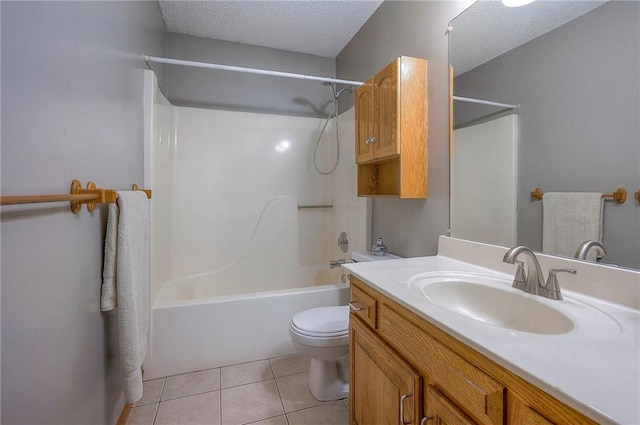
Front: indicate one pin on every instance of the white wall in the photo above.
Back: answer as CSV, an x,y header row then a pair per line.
x,y
72,75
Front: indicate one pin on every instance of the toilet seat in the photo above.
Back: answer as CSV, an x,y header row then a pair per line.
x,y
322,322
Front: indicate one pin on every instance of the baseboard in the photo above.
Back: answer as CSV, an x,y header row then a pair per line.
x,y
122,419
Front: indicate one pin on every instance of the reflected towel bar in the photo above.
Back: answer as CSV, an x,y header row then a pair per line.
x,y
620,195
78,196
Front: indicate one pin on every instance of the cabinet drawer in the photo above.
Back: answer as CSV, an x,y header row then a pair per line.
x,y
362,304
479,395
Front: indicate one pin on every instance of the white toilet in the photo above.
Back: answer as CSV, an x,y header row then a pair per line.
x,y
323,335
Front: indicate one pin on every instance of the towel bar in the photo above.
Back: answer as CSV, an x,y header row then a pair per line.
x,y
620,195
78,196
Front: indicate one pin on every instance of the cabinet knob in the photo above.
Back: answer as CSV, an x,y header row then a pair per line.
x,y
371,140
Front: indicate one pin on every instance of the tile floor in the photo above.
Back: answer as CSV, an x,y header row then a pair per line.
x,y
266,392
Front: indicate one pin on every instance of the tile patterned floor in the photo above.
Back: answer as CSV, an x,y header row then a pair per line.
x,y
266,392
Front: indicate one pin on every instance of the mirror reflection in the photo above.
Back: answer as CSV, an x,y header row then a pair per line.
x,y
567,77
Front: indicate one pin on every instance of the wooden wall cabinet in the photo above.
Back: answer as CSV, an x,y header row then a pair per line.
x,y
391,131
397,353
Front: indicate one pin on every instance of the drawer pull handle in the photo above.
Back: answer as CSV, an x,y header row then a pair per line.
x,y
425,420
371,140
354,308
402,399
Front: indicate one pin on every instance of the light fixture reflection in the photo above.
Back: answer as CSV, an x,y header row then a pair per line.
x,y
516,3
283,146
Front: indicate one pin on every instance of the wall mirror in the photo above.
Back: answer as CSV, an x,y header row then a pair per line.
x,y
573,70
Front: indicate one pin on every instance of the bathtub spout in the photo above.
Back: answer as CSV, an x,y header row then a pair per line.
x,y
337,263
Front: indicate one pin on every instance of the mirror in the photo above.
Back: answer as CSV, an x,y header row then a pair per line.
x,y
573,70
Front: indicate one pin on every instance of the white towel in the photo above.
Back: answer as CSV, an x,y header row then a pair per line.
x,y
570,219
126,273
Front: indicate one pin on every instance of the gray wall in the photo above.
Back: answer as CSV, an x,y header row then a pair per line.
x,y
578,87
411,227
71,108
217,89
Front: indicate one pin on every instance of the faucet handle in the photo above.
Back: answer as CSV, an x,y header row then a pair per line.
x,y
552,288
520,278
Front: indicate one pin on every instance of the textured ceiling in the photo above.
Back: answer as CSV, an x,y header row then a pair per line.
x,y
320,28
488,29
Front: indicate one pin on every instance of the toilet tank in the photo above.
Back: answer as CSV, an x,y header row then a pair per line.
x,y
363,257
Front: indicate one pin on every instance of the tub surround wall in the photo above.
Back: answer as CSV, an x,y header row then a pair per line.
x,y
410,227
231,183
72,77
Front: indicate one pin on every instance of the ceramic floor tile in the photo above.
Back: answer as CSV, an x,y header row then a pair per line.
x,y
143,415
246,373
295,393
250,403
289,365
329,413
151,392
201,409
278,420
191,383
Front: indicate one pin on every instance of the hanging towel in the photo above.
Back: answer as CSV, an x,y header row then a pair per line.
x,y
126,283
570,219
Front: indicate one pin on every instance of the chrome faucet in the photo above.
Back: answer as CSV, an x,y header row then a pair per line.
x,y
583,249
532,281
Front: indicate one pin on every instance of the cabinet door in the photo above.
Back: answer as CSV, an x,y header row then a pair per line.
x,y
384,389
441,411
387,102
365,122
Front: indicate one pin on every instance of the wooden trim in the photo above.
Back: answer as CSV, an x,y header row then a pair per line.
x,y
124,415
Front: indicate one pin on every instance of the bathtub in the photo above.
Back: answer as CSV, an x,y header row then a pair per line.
x,y
196,326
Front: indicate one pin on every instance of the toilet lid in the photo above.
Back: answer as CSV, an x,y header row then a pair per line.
x,y
323,321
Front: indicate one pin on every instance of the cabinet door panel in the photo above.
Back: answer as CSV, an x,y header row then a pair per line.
x,y
365,121
379,379
387,97
442,411
480,395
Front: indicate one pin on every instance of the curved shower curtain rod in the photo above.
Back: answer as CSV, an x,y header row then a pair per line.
x,y
249,70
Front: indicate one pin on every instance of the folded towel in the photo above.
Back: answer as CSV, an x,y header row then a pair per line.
x,y
108,299
129,221
570,219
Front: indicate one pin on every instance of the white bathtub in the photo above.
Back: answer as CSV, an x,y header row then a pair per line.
x,y
195,328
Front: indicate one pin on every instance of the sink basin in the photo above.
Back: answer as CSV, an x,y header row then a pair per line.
x,y
492,300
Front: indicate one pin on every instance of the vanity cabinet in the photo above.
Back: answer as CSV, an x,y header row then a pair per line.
x,y
398,350
391,131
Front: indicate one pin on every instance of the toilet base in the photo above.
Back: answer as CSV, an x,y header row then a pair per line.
x,y
329,379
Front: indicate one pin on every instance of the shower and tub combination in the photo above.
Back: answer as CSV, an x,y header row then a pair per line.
x,y
246,211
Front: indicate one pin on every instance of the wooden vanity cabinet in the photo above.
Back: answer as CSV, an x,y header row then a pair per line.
x,y
397,350
391,131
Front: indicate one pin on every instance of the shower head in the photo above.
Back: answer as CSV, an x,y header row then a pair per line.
x,y
333,89
350,89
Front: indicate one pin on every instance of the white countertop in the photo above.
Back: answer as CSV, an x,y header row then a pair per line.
x,y
593,368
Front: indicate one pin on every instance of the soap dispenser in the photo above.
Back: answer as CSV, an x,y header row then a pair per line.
x,y
379,248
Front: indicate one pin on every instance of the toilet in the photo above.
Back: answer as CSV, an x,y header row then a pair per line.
x,y
322,334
